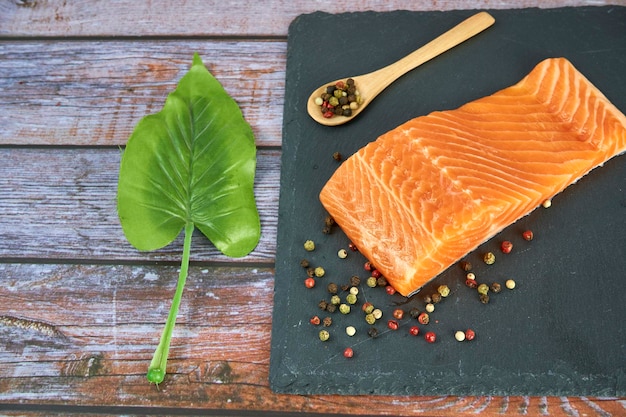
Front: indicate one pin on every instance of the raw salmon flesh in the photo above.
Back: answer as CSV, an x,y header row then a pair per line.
x,y
428,192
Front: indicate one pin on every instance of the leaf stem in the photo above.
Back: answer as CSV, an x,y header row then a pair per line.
x,y
156,370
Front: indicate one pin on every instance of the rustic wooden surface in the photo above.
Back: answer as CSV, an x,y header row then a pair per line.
x,y
80,309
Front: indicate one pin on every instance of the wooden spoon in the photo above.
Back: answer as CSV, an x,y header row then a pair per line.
x,y
371,84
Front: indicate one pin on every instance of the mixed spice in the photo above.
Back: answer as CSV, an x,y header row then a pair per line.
x,y
339,99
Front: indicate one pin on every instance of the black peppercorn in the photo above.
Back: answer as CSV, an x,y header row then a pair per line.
x,y
436,297
414,313
327,321
323,304
337,156
332,288
372,332
331,308
381,281
496,287
355,281
484,298
304,263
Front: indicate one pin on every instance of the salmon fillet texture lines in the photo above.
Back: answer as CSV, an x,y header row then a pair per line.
x,y
425,194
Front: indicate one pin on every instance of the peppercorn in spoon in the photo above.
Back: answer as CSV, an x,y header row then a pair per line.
x,y
355,93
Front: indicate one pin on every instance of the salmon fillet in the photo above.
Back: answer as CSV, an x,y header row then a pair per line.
x,y
428,192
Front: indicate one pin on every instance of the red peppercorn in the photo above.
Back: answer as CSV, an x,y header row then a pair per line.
x,y
398,313
393,325
414,330
470,334
368,266
430,337
348,352
528,235
376,273
471,283
390,290
423,318
309,282
506,246
315,321
352,247
328,114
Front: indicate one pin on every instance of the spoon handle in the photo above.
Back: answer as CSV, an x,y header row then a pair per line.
x,y
458,34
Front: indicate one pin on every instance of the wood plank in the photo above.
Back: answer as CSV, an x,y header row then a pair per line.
x,y
59,203
83,335
197,18
94,93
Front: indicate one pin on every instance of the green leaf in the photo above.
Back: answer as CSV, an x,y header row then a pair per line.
x,y
193,162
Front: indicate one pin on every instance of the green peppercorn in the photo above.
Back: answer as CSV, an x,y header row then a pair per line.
x,y
333,101
489,258
324,335
371,282
483,289
309,245
344,309
443,290
351,298
368,308
370,319
319,272
335,300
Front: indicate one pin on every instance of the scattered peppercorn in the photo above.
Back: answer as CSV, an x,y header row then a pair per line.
x,y
342,253
344,309
376,273
414,313
484,298
332,288
414,330
496,287
319,272
354,290
335,300
355,281
459,335
428,299
371,282
348,352
304,263
367,307
430,337
350,331
378,313
309,245
506,246
470,334
465,266
393,325
368,266
351,298
327,321
390,290
489,258
370,319
309,282
315,320
310,272
331,308
528,235
510,284
423,318
381,281
324,335
547,203
471,275
322,304
430,307
443,290
483,289
435,298
372,332
398,313
337,156
471,283
352,247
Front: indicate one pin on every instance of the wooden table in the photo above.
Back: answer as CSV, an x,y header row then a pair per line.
x,y
80,309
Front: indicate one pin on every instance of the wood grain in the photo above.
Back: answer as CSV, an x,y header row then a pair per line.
x,y
59,18
94,93
59,203
80,309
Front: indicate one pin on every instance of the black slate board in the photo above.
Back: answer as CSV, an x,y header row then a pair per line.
x,y
561,331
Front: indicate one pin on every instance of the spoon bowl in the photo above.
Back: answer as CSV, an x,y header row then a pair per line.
x,y
371,84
